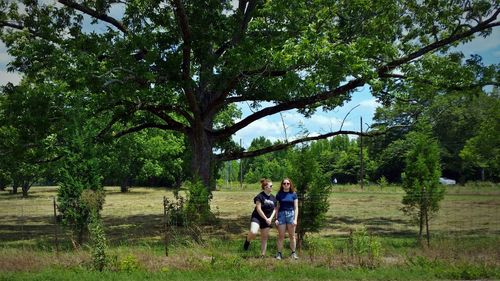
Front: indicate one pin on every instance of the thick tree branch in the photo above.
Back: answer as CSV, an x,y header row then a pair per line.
x,y
489,23
298,103
222,99
172,108
95,14
142,127
182,18
176,126
156,110
276,147
12,25
245,11
20,26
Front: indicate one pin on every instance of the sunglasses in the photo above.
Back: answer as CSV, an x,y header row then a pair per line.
x,y
286,183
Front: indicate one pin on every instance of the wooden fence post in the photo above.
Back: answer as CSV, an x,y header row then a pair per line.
x,y
165,224
56,228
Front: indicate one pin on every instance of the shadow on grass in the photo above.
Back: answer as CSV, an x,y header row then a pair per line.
x,y
138,229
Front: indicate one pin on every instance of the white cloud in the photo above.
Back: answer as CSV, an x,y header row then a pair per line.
x,y
262,127
5,58
480,44
370,103
12,77
323,121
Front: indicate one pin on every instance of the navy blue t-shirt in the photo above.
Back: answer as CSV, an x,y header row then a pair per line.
x,y
286,200
267,204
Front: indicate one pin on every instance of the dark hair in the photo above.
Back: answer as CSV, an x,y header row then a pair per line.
x,y
264,182
292,187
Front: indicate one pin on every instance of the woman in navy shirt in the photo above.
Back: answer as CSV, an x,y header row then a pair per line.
x,y
262,216
288,210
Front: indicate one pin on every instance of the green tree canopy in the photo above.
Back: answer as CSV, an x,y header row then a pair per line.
x,y
181,64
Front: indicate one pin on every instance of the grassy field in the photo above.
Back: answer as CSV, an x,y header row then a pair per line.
x,y
465,239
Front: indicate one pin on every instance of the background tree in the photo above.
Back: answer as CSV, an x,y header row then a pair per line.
x,y
421,181
31,117
451,97
313,190
150,157
272,165
80,173
483,149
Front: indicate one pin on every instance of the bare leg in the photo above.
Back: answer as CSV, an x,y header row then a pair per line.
x,y
281,236
254,229
291,235
264,234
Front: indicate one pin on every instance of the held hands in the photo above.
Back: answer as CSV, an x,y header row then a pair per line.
x,y
276,222
268,221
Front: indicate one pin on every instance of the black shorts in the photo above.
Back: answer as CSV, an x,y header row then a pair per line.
x,y
262,222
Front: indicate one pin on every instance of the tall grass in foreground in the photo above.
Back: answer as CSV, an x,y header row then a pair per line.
x,y
283,272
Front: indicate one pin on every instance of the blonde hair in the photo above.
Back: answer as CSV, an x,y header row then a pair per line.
x,y
264,182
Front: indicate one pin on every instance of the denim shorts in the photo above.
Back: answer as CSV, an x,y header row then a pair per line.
x,y
286,217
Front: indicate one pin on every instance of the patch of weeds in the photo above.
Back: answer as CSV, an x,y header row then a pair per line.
x,y
468,272
363,248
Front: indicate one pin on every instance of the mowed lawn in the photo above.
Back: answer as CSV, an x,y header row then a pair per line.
x,y
138,214
465,238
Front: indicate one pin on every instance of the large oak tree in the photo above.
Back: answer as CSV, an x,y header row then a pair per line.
x,y
183,65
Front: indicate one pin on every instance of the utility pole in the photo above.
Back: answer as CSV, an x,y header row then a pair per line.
x,y
361,171
241,170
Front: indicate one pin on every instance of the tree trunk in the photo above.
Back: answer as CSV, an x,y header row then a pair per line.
x,y
26,186
202,157
2,186
14,188
124,184
420,226
427,228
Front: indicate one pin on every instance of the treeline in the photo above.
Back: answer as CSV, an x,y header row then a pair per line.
x,y
465,125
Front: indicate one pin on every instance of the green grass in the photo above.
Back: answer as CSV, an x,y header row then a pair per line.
x,y
464,245
287,271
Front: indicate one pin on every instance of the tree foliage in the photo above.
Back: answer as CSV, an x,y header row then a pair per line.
x,y
184,65
421,180
313,190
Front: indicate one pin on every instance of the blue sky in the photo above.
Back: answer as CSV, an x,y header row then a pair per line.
x,y
321,122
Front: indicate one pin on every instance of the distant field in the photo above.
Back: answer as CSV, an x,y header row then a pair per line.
x,y
464,211
465,233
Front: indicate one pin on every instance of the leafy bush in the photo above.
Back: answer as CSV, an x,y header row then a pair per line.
x,y
93,201
313,189
129,263
198,204
365,249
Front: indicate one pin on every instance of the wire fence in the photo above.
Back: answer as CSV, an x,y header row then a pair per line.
x,y
35,221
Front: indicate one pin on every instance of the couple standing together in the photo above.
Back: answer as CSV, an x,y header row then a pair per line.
x,y
285,205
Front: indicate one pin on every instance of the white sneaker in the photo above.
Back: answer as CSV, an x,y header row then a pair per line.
x,y
294,256
278,256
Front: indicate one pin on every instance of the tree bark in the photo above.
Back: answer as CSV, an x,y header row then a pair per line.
x,y
14,188
124,184
202,156
26,186
427,227
421,225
